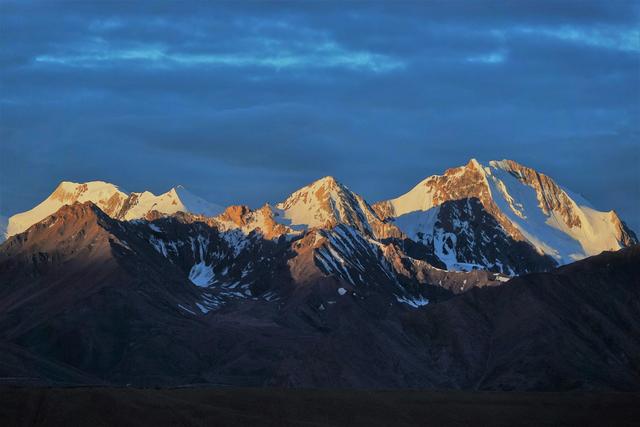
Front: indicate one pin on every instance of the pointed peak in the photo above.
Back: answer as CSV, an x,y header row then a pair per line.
x,y
173,192
177,192
473,163
80,209
327,180
325,183
180,191
184,200
66,222
329,183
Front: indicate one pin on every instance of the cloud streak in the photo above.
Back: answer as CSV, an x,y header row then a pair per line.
x,y
623,39
277,56
489,58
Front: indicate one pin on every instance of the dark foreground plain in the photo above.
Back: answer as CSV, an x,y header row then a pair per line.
x,y
85,406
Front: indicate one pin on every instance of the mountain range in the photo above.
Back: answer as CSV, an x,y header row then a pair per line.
x,y
490,276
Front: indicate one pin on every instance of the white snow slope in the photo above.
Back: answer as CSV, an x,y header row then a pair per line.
x,y
98,192
178,199
110,199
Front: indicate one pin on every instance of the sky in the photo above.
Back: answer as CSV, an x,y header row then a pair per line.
x,y
245,102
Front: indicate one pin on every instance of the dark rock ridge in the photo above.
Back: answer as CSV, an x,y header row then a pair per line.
x,y
243,299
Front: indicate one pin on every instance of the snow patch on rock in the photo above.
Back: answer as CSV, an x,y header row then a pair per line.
x,y
415,302
201,274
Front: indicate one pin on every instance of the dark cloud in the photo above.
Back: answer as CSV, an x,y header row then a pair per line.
x,y
245,102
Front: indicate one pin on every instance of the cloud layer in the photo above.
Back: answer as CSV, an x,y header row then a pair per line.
x,y
243,103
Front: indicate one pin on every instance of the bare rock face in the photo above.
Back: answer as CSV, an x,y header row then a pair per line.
x,y
57,239
472,234
179,300
235,214
623,234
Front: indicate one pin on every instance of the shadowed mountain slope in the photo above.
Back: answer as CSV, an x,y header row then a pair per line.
x,y
182,300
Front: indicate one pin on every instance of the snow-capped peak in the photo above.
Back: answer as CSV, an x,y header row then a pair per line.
x,y
113,201
326,181
195,204
326,203
81,192
528,205
315,193
105,195
550,218
455,184
177,199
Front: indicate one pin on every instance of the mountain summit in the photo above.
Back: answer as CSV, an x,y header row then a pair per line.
x,y
113,201
108,197
326,203
526,205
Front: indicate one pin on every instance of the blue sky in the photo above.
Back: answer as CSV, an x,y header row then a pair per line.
x,y
245,102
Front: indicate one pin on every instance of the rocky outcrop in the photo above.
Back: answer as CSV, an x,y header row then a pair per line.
x,y
623,234
235,214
